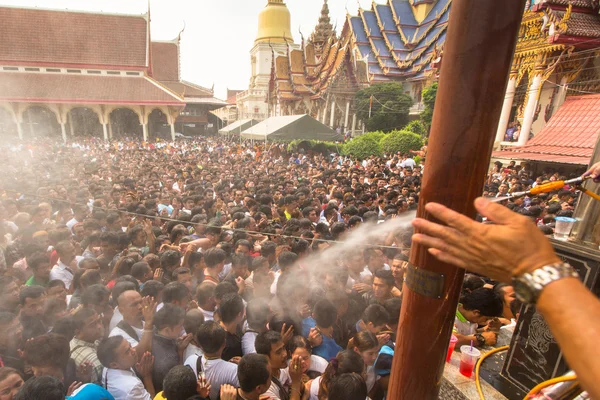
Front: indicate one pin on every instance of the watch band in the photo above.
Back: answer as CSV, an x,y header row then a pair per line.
x,y
529,286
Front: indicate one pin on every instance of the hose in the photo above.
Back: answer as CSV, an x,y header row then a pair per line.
x,y
532,392
483,357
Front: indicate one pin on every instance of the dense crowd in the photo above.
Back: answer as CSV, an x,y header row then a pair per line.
x,y
216,269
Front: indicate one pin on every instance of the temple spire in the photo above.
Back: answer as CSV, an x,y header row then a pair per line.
x,y
323,30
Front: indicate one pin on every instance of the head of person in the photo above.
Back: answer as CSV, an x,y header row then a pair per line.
x,y
205,296
116,353
348,386
10,383
180,383
254,374
153,289
54,309
270,344
472,282
57,289
346,361
170,260
65,251
88,325
39,263
383,283
507,292
95,297
242,248
232,309
168,321
324,313
257,314
365,343
299,346
141,271
194,318
215,259
11,331
42,387
211,337
374,258
9,293
183,275
398,267
481,305
137,236
130,306
32,301
375,318
47,355
239,265
177,294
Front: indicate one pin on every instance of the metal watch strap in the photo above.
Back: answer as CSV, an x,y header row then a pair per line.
x,y
529,286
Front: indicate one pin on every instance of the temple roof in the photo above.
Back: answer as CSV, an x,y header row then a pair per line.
x,y
165,61
60,37
568,138
37,87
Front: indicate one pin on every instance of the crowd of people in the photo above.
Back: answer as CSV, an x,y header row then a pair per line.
x,y
214,269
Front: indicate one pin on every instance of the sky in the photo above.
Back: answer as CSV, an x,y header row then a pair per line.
x,y
218,35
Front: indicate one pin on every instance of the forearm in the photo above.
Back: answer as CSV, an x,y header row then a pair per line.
x,y
145,343
573,315
464,339
149,385
295,390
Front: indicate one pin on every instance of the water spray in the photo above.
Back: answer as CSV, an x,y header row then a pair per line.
x,y
550,187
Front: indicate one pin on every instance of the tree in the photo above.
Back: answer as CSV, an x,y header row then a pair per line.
x,y
400,142
364,146
417,126
429,95
390,106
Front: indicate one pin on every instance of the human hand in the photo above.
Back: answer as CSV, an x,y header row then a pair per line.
x,y
84,372
510,248
383,338
241,284
362,288
490,338
228,392
305,311
183,342
144,367
314,337
203,387
192,305
235,360
296,369
594,172
286,334
73,387
494,324
159,273
148,309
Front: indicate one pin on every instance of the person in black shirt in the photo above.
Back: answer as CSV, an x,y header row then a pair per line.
x,y
232,313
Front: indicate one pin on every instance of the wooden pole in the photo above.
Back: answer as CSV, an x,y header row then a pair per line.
x,y
477,56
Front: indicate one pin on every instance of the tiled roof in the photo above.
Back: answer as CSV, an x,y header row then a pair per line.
x,y
579,24
165,61
38,87
56,37
569,137
187,89
576,3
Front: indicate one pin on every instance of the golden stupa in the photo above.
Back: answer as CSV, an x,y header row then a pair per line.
x,y
274,23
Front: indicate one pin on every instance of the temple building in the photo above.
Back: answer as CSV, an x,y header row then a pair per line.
x,y
73,73
556,57
398,40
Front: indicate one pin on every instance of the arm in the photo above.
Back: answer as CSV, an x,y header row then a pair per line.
x,y
145,343
296,375
150,239
144,368
484,251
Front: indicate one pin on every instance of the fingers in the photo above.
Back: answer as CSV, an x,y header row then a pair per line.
x,y
433,230
447,258
450,217
495,212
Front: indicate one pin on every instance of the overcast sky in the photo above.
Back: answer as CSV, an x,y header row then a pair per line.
x,y
218,34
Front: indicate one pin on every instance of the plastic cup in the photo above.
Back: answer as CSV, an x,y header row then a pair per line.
x,y
451,347
563,227
468,359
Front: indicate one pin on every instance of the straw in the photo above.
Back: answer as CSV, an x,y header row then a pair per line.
x,y
471,346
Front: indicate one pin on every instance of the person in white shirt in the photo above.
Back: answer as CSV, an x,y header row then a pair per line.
x,y
205,296
374,259
194,319
137,313
79,213
257,315
212,337
64,269
118,377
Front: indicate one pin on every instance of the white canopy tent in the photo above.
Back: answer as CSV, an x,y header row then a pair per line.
x,y
238,127
288,128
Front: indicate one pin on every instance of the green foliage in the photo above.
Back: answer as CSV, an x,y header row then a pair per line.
x,y
316,146
417,159
429,95
416,126
390,106
363,146
400,142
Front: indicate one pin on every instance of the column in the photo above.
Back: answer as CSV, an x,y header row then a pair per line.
x,y
19,129
70,119
353,124
561,95
110,132
332,116
172,131
347,116
506,108
532,101
105,131
324,116
319,115
63,128
145,130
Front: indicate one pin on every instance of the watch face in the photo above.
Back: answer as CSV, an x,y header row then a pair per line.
x,y
522,291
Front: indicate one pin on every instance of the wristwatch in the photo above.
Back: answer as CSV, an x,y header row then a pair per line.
x,y
480,339
529,285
